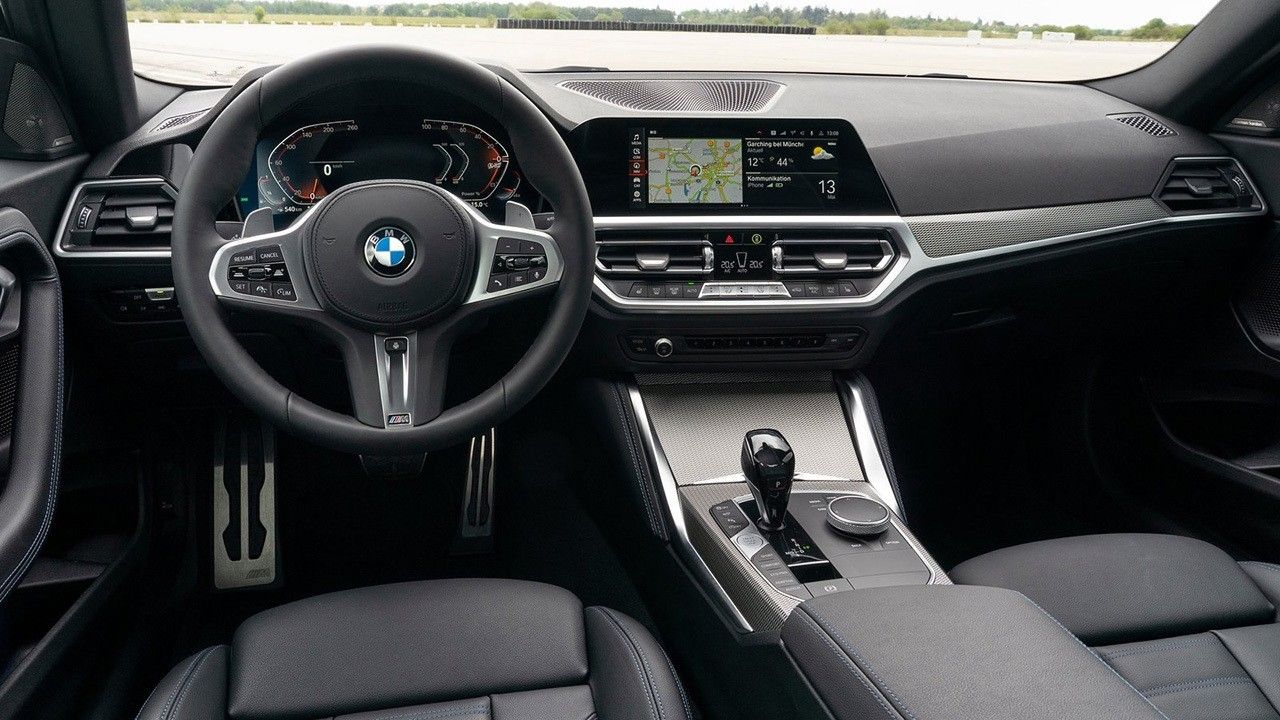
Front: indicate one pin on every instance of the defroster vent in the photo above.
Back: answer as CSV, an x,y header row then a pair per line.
x,y
711,96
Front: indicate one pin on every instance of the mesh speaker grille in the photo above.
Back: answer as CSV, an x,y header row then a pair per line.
x,y
943,235
1145,123
32,118
721,96
1259,304
8,386
178,120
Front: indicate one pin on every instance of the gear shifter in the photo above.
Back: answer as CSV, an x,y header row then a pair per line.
x,y
769,466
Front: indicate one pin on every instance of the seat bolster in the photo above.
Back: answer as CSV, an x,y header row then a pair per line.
x,y
631,677
1257,649
1266,576
1126,587
194,690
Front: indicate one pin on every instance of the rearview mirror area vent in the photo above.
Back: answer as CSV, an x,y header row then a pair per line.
x,y
1145,123
119,216
653,255
1207,185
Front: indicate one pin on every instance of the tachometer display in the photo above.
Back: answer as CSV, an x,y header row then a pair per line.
x,y
315,160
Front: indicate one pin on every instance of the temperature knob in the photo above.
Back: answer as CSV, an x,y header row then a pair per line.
x,y
662,347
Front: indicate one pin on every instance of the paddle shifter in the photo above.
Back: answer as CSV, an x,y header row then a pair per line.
x,y
769,465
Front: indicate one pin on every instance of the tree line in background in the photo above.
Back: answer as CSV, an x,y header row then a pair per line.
x,y
873,22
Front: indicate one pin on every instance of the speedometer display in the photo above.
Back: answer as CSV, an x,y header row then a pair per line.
x,y
314,160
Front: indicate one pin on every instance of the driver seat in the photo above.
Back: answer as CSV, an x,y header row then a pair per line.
x,y
436,650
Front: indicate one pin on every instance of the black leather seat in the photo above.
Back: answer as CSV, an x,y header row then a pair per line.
x,y
439,650
1193,630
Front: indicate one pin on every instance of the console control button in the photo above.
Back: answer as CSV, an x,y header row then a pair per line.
x,y
857,515
828,587
729,518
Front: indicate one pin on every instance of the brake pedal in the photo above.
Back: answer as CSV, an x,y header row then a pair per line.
x,y
475,527
245,548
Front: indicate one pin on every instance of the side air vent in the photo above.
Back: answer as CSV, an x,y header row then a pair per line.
x,y
624,255
711,96
1207,185
178,121
119,216
1145,123
832,255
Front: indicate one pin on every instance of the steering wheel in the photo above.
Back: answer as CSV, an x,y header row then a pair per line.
x,y
392,271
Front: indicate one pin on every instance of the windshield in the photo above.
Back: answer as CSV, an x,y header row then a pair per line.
x,y
211,42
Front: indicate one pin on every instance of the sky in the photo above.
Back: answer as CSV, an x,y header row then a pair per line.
x,y
1116,14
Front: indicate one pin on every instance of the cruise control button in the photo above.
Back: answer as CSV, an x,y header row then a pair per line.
x,y
497,283
259,288
244,257
257,273
283,291
240,286
270,254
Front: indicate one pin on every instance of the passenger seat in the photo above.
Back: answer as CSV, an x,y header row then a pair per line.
x,y
1189,627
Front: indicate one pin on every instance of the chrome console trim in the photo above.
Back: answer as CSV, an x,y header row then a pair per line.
x,y
671,497
864,441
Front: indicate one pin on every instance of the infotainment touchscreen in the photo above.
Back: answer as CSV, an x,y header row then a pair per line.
x,y
688,165
787,168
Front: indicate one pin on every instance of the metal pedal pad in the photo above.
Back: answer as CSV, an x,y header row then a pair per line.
x,y
475,526
245,548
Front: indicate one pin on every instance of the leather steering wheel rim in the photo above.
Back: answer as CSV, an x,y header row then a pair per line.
x,y
224,156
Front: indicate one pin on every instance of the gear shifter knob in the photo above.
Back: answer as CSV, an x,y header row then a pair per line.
x,y
769,466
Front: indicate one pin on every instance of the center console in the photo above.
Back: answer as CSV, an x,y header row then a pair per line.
x,y
776,491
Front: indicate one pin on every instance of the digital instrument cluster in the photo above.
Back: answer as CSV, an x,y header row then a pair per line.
x,y
295,167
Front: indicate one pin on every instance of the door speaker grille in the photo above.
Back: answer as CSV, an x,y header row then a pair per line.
x,y
718,96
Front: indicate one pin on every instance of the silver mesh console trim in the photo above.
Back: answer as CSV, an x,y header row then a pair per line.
x,y
703,96
701,424
764,607
945,235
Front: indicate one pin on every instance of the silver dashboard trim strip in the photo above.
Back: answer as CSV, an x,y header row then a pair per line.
x,y
671,497
911,261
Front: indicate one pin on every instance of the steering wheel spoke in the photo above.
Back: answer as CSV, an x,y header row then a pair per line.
x,y
265,273
513,262
397,381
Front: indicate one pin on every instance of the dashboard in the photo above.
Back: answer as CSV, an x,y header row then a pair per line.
x,y
790,232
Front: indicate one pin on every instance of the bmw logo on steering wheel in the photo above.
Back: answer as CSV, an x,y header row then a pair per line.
x,y
389,251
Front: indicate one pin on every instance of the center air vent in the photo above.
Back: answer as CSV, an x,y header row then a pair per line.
x,y
623,255
843,255
123,215
718,96
1207,185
